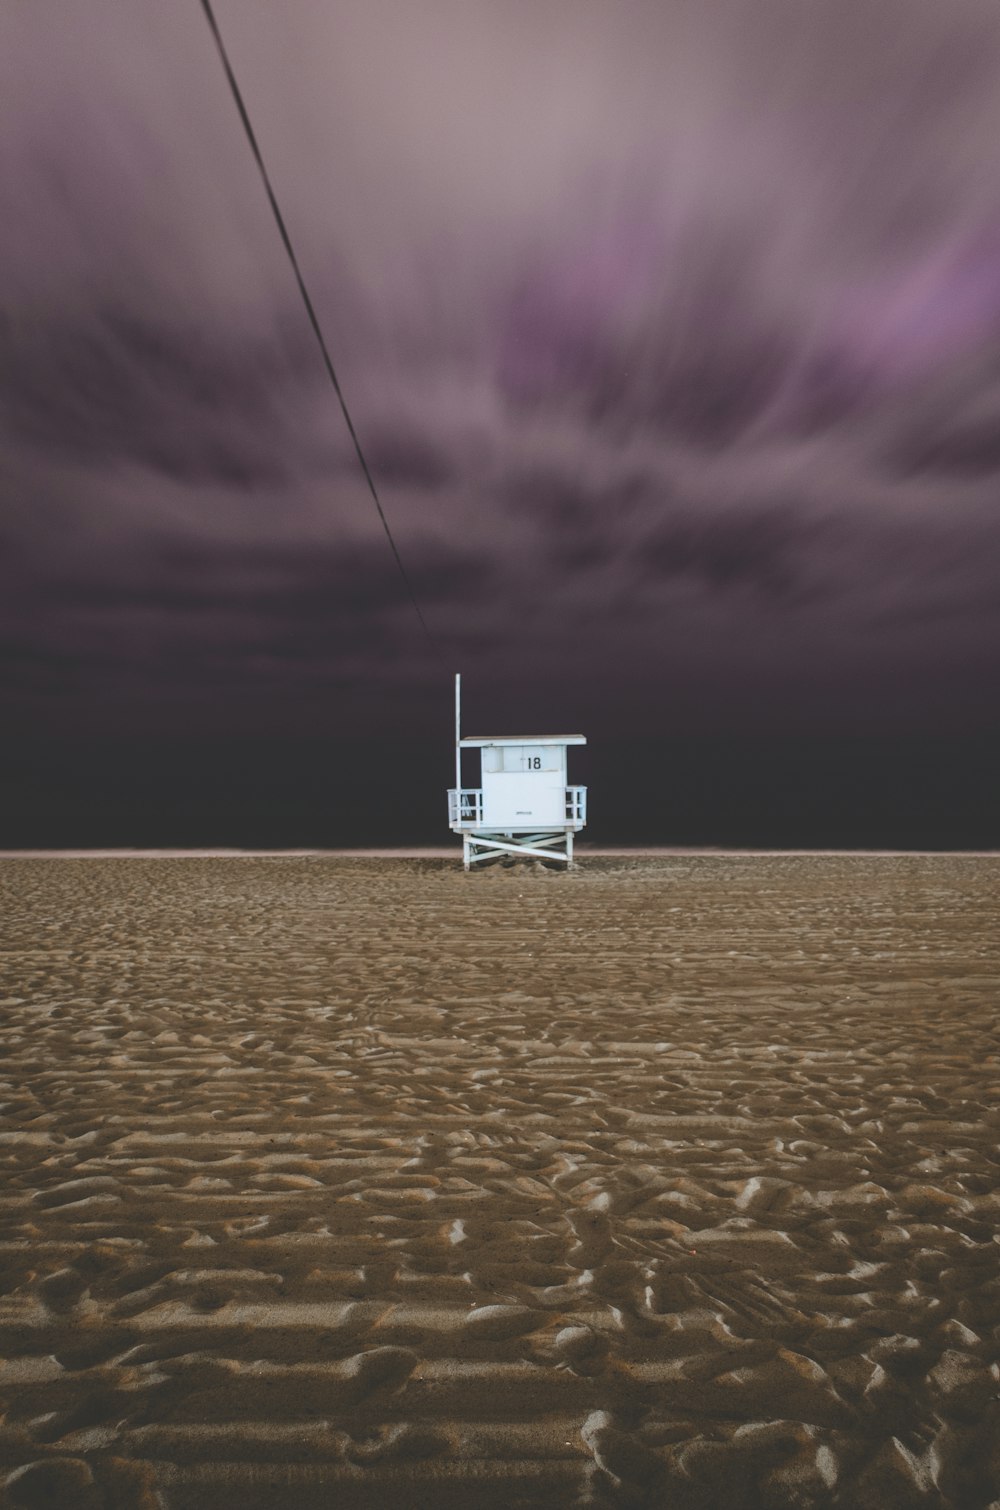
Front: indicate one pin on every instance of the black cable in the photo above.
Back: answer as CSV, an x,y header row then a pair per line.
x,y
310,311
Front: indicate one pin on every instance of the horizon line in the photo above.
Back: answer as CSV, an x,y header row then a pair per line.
x,y
420,852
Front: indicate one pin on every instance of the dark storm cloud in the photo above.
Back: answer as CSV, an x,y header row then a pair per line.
x,y
674,325
233,637
289,602
702,376
967,447
762,551
401,458
581,520
197,406
276,581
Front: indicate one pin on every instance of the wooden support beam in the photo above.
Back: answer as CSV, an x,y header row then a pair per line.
x,y
495,847
503,836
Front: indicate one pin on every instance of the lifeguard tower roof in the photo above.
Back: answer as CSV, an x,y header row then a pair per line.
x,y
480,741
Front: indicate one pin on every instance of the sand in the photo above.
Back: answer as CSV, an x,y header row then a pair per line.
x,y
344,1182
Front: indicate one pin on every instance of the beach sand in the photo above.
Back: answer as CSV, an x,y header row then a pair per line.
x,y
338,1182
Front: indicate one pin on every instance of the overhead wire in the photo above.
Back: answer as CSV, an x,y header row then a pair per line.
x,y
313,318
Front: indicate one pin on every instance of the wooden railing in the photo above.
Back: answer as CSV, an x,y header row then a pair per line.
x,y
465,806
576,804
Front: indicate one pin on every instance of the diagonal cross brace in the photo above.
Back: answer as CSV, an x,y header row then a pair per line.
x,y
492,846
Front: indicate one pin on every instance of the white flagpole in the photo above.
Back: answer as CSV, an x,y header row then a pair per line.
x,y
458,739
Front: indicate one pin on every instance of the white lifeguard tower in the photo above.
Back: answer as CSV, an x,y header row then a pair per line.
x,y
522,805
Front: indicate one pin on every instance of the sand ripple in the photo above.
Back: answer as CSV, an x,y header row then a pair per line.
x,y
668,1182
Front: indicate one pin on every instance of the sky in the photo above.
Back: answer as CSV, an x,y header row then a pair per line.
x,y
671,333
